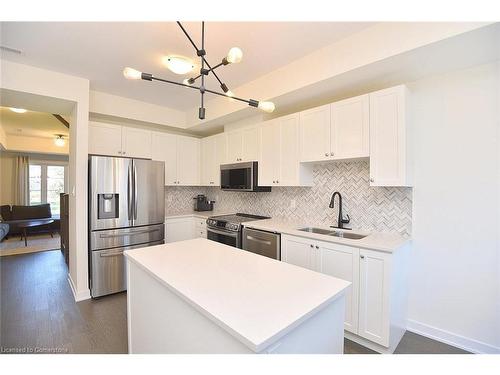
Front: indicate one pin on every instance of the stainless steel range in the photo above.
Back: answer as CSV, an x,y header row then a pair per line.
x,y
227,229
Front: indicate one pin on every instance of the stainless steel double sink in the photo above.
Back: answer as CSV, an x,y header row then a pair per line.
x,y
335,233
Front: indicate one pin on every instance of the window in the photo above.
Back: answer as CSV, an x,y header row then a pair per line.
x,y
46,182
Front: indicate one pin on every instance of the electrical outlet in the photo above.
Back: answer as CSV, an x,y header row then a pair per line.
x,y
293,203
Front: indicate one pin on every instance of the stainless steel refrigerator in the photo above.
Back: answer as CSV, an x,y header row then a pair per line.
x,y
126,211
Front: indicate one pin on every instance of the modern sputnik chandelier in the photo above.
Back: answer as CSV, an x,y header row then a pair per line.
x,y
181,65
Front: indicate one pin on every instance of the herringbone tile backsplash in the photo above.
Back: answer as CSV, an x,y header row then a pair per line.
x,y
370,208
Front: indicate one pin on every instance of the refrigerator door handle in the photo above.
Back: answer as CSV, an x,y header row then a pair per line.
x,y
128,233
129,194
135,192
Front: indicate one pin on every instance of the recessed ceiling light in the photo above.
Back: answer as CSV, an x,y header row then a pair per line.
x,y
178,64
18,110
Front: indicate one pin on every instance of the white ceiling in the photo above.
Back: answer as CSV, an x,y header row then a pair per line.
x,y
31,123
100,51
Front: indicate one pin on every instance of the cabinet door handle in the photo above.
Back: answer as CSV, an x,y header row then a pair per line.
x,y
317,247
311,245
372,180
326,153
362,256
331,154
277,181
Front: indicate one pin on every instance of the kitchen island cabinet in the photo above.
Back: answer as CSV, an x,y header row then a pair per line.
x,y
200,296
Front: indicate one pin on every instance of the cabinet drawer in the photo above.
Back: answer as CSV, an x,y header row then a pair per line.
x,y
199,222
201,233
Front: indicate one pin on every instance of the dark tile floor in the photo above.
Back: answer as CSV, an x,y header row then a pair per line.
x,y
38,313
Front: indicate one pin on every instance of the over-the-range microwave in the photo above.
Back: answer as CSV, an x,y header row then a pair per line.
x,y
241,177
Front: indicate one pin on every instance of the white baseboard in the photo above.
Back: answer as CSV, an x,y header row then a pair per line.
x,y
450,338
80,296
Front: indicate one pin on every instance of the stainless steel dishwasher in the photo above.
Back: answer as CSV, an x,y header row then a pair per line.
x,y
262,243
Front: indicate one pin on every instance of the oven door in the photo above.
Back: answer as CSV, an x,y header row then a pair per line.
x,y
225,237
237,177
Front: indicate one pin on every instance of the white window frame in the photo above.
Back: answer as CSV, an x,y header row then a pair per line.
x,y
43,176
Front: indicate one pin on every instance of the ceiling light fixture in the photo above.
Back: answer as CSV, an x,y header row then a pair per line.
x,y
177,64
18,110
234,56
59,140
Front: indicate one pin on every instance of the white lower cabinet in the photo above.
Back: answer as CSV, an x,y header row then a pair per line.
x,y
200,227
179,229
185,228
374,296
376,301
298,251
342,262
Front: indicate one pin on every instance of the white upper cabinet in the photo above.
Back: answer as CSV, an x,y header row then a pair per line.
x,y
164,148
279,162
207,160
335,131
213,154
315,134
105,139
115,140
251,144
220,154
243,145
269,166
350,124
136,143
234,146
181,156
188,161
390,159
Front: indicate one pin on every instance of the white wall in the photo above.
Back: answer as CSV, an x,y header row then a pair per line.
x,y
454,292
118,106
375,43
35,144
62,88
3,138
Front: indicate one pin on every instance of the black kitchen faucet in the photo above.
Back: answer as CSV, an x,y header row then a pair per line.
x,y
340,221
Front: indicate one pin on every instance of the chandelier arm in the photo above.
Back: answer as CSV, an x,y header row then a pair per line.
x,y
196,48
250,102
230,97
175,83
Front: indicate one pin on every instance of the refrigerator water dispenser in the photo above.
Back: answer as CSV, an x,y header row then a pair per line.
x,y
107,206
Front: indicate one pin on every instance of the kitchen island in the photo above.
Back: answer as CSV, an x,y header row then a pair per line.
x,y
200,296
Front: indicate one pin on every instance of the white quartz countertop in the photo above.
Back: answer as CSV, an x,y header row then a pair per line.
x,y
387,242
254,298
200,214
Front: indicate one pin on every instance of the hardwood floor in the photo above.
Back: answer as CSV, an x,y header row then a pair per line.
x,y
38,313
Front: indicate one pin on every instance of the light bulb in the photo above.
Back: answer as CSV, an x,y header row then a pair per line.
x,y
234,55
177,64
18,110
230,94
267,106
59,141
130,73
